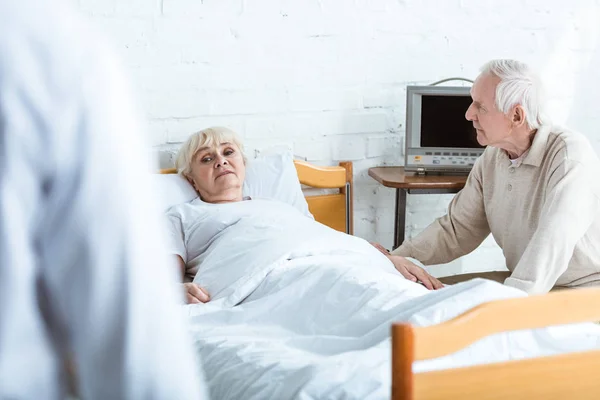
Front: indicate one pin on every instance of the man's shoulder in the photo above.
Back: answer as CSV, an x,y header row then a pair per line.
x,y
571,146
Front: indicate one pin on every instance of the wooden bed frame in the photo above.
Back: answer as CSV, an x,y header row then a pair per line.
x,y
334,209
569,376
560,377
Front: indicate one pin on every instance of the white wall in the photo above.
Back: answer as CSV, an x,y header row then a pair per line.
x,y
327,77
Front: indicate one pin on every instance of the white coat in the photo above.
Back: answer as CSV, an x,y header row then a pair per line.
x,y
82,265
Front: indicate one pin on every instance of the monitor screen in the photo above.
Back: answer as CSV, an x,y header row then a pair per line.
x,y
443,122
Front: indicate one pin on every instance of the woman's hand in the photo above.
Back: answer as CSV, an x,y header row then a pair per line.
x,y
194,294
414,273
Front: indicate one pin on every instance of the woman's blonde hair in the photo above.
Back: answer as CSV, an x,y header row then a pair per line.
x,y
209,137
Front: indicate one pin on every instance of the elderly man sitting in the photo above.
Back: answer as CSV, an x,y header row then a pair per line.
x,y
536,188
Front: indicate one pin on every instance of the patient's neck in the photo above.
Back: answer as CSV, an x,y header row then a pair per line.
x,y
227,196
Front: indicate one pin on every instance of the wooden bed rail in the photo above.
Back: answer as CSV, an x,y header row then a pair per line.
x,y
411,344
333,210
320,177
538,311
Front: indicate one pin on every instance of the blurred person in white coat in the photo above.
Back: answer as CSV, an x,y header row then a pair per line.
x,y
82,267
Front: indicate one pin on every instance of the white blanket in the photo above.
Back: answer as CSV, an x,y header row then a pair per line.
x,y
301,311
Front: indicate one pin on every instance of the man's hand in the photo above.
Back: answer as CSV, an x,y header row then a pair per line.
x,y
194,294
415,273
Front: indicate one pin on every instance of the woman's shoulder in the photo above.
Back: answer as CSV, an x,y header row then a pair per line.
x,y
180,209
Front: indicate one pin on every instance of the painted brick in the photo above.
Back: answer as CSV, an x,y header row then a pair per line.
x,y
313,150
138,8
327,78
347,148
186,103
98,8
387,97
178,130
232,102
157,133
324,100
298,126
386,146
201,8
255,148
352,123
129,33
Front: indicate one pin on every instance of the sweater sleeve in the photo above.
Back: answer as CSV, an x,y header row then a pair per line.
x,y
458,232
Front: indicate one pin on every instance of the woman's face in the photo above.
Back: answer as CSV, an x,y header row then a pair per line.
x,y
218,173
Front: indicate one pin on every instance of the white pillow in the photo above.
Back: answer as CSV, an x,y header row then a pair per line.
x,y
172,189
273,176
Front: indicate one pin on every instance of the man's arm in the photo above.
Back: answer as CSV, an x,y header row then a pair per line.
x,y
458,232
567,214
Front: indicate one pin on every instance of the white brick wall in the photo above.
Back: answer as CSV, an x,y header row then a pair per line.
x,y
327,78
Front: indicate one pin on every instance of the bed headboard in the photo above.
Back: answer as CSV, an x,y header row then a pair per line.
x,y
333,209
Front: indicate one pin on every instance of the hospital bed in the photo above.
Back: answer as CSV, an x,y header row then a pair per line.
x,y
552,377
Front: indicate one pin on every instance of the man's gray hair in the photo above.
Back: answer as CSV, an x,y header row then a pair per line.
x,y
209,137
519,85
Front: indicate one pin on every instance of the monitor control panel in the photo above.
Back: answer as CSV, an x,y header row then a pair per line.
x,y
465,159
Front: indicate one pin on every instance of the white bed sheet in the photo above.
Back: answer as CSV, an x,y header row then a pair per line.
x,y
301,311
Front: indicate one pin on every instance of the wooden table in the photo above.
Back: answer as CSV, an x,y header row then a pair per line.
x,y
408,182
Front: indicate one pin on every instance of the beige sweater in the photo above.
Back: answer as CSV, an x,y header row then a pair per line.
x,y
544,213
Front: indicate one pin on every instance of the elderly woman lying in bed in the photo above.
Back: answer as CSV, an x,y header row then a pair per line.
x,y
213,161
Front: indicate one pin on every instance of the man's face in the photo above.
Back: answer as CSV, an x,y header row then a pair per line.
x,y
492,125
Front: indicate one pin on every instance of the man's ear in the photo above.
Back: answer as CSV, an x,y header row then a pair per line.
x,y
518,116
